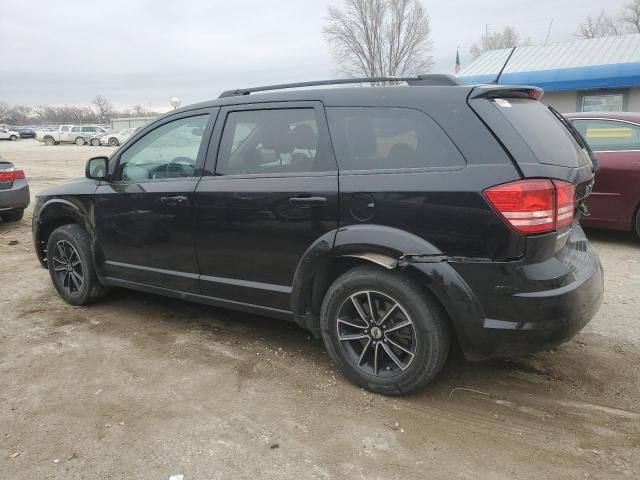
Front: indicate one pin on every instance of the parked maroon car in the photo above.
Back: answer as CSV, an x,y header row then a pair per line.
x,y
615,140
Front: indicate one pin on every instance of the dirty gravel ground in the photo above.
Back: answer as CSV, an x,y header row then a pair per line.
x,y
142,387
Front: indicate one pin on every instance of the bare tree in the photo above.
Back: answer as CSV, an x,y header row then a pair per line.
x,y
103,106
4,110
601,26
507,38
631,15
380,37
138,111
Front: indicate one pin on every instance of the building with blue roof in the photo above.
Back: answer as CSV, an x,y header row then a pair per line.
x,y
598,74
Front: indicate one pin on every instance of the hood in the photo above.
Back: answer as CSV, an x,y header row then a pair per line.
x,y
76,186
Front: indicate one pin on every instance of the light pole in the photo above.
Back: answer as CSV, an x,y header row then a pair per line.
x,y
175,102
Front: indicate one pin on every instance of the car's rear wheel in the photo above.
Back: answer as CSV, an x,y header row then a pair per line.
x,y
383,331
70,266
13,138
114,142
14,216
80,141
637,223
95,142
49,141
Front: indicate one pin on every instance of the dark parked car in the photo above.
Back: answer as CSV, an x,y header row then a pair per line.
x,y
27,132
615,140
14,192
385,220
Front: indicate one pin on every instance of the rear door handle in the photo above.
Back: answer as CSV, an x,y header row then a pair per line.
x,y
307,202
172,201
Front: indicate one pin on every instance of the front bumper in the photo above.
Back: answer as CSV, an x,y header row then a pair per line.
x,y
15,198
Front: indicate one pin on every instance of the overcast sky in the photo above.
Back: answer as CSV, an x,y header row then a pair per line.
x,y
146,51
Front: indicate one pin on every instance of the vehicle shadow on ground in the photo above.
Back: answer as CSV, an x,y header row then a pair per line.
x,y
586,367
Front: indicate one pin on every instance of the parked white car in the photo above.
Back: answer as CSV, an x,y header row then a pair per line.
x,y
78,134
116,138
8,134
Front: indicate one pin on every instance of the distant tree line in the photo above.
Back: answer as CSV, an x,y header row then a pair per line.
x,y
100,110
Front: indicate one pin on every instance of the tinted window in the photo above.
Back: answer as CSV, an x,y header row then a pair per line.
x,y
169,151
74,129
609,134
549,140
389,138
271,142
64,129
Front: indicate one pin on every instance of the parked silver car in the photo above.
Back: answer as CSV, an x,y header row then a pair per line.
x,y
14,192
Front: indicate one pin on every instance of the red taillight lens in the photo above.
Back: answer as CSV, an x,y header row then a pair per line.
x,y
536,93
565,203
11,174
536,205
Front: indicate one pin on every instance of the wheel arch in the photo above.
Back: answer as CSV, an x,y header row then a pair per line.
x,y
384,247
53,214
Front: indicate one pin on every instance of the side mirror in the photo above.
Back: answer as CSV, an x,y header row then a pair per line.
x,y
97,168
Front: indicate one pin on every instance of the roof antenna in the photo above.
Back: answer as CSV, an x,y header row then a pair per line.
x,y
497,79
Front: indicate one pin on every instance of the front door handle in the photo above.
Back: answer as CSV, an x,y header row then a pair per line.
x,y
307,202
173,201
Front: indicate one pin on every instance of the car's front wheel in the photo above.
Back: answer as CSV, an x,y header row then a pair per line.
x,y
13,138
114,142
383,331
13,216
70,266
637,223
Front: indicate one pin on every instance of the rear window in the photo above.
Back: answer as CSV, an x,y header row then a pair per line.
x,y
548,139
368,138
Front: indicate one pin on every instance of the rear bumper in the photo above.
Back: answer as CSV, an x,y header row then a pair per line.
x,y
16,197
508,309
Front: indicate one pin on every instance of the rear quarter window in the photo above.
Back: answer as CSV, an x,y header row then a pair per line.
x,y
372,138
546,137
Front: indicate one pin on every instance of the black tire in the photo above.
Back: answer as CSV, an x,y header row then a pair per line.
x,y
95,142
14,216
113,141
89,289
49,141
637,223
428,331
80,141
13,138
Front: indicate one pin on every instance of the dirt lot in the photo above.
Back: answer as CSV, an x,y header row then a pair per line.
x,y
141,386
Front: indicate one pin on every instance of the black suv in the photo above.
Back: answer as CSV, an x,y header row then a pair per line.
x,y
387,220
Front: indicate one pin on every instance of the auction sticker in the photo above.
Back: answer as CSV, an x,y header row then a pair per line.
x,y
503,103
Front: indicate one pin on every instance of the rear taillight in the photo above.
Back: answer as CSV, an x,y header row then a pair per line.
x,y
535,205
565,203
11,174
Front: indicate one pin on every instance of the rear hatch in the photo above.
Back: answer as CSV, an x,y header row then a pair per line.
x,y
544,149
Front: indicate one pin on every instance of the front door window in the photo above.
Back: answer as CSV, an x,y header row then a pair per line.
x,y
169,151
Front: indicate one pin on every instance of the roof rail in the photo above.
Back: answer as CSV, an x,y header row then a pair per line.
x,y
419,80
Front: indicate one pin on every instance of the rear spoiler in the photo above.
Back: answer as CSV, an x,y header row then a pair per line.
x,y
506,91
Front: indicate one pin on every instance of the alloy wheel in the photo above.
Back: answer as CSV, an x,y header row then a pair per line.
x,y
376,333
68,267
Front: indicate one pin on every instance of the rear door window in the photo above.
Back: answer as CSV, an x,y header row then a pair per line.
x,y
272,142
371,138
549,140
609,135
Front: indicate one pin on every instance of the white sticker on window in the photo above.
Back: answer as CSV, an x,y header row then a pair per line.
x,y
503,103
